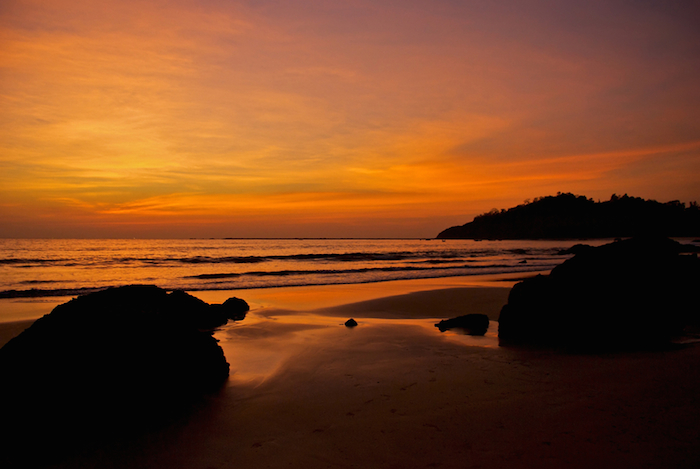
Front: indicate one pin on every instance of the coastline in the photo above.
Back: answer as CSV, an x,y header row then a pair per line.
x,y
307,392
317,297
14,310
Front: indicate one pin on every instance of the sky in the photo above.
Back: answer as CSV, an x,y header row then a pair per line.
x,y
226,118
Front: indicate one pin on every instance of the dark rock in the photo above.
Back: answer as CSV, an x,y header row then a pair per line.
x,y
630,294
575,249
195,312
350,323
235,308
107,363
472,324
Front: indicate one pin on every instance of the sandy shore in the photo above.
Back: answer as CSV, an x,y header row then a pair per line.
x,y
394,392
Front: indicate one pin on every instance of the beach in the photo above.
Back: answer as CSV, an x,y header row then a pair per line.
x,y
395,392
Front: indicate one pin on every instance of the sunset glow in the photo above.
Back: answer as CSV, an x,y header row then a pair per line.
x,y
327,119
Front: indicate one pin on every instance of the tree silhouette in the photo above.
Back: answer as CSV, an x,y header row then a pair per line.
x,y
570,216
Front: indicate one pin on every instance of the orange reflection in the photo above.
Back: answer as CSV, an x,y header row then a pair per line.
x,y
259,347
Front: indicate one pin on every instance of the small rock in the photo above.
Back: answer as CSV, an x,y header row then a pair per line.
x,y
350,323
235,308
473,324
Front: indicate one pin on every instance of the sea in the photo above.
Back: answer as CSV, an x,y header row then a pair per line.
x,y
36,268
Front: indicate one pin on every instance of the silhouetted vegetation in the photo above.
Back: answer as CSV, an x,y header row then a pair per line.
x,y
569,216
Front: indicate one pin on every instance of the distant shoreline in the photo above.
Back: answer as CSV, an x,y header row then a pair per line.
x,y
569,216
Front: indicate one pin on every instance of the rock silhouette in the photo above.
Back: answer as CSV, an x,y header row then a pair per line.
x,y
630,294
235,308
569,216
472,324
108,362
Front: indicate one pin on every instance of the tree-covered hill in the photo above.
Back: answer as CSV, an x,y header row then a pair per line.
x,y
575,216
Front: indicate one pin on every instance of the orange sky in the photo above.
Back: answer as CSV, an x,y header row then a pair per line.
x,y
316,118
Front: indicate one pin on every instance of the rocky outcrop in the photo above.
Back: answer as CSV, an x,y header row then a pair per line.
x,y
635,293
471,324
569,216
111,361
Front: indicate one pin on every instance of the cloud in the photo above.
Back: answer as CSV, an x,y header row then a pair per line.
x,y
394,111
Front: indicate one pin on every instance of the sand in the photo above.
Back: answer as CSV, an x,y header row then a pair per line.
x,y
394,392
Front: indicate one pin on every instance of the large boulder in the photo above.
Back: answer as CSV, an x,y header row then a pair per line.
x,y
106,363
629,294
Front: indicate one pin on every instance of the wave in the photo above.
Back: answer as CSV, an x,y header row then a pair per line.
x,y
61,272
426,256
286,273
35,282
336,257
41,292
20,260
222,260
296,278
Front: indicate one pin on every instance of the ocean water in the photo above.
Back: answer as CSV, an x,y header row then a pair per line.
x,y
35,268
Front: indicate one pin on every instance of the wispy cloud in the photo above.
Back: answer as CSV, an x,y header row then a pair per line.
x,y
239,112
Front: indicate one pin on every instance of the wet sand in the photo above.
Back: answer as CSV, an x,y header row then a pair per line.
x,y
394,392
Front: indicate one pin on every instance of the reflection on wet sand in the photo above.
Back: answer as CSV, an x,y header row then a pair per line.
x,y
259,347
307,392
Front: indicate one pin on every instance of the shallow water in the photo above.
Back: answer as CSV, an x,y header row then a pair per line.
x,y
40,268
260,346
